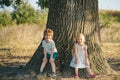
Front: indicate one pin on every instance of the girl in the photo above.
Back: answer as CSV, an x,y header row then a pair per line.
x,y
80,59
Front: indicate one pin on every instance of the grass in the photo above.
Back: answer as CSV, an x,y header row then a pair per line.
x,y
18,44
20,37
111,50
111,34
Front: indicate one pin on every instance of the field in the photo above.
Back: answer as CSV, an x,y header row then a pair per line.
x,y
18,44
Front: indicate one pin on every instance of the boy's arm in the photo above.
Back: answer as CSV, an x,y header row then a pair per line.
x,y
52,50
44,52
51,54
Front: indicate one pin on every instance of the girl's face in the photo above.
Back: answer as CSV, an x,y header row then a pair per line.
x,y
48,37
80,40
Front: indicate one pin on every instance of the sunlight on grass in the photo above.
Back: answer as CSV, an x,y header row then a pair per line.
x,y
18,43
111,50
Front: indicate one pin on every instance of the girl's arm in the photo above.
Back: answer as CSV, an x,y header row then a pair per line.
x,y
86,56
76,54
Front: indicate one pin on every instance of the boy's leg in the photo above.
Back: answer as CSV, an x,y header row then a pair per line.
x,y
53,74
53,66
43,65
52,62
40,75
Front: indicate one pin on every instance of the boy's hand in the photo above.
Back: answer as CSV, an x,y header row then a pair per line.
x,y
44,59
51,59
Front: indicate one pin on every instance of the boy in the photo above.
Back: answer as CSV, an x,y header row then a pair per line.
x,y
49,51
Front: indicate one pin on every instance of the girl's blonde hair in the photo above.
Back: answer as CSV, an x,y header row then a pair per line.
x,y
81,36
77,36
48,32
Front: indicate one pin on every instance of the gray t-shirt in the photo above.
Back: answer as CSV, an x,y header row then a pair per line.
x,y
49,46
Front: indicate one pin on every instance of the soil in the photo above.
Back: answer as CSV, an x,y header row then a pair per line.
x,y
11,65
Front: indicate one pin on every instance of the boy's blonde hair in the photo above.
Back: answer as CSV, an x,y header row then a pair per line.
x,y
48,32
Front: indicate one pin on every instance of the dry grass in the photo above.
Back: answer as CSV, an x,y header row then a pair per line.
x,y
111,50
19,35
111,34
18,44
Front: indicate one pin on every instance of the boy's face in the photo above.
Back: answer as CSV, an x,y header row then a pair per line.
x,y
48,37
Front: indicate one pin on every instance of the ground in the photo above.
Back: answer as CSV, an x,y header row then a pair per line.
x,y
18,44
10,64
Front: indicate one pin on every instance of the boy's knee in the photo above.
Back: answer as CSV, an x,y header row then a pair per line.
x,y
45,61
51,61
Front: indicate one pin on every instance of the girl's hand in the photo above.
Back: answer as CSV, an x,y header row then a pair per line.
x,y
87,64
76,62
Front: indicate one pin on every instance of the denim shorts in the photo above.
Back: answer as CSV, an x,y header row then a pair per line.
x,y
54,55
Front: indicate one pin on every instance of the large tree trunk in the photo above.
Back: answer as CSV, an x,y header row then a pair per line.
x,y
66,18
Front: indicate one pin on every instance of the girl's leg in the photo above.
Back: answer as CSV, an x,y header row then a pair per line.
x,y
89,70
91,75
76,73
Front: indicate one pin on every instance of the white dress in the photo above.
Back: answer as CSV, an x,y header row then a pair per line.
x,y
81,58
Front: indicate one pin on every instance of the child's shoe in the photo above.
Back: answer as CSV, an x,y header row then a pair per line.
x,y
40,75
52,75
91,76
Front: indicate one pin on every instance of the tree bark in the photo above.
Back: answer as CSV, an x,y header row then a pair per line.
x,y
66,18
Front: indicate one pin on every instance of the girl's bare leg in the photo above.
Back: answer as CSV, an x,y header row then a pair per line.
x,y
76,73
